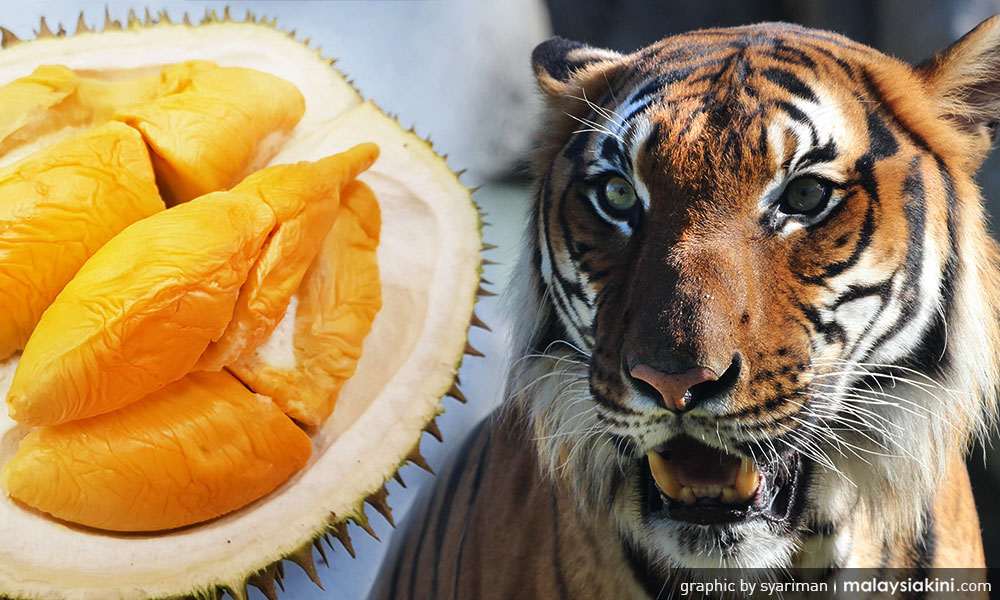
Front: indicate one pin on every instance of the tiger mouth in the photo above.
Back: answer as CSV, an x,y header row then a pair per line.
x,y
688,481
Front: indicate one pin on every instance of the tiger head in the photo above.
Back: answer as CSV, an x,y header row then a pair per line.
x,y
760,297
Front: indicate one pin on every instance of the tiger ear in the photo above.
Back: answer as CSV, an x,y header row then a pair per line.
x,y
964,78
557,61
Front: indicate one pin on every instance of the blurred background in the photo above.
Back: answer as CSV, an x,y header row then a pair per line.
x,y
458,70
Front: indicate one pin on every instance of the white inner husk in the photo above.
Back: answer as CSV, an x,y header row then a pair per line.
x,y
428,261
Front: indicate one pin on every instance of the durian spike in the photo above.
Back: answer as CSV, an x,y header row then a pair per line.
x,y
378,502
399,479
149,18
264,581
486,281
7,38
249,18
477,322
457,394
303,557
318,544
327,538
43,30
132,19
226,18
489,246
214,594
164,16
484,293
110,23
472,351
416,458
238,594
279,574
432,428
341,533
487,262
187,19
81,25
361,520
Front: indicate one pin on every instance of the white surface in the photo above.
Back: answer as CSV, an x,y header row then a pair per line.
x,y
410,57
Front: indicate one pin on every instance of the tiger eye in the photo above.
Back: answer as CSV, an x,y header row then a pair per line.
x,y
620,194
804,195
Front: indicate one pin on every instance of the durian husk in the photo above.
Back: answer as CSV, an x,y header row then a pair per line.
x,y
430,264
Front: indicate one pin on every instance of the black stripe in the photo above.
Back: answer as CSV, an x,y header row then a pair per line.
x,y
612,406
790,83
473,499
925,549
820,154
792,54
923,553
797,115
864,240
831,331
559,281
643,570
444,512
845,66
556,563
656,87
882,289
931,354
914,210
415,557
874,90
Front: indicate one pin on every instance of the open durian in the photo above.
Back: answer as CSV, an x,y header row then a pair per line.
x,y
428,261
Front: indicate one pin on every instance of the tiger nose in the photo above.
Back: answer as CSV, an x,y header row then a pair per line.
x,y
673,387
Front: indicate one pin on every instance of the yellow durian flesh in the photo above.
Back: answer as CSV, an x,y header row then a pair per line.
x,y
141,310
198,448
306,199
335,306
59,206
215,129
55,98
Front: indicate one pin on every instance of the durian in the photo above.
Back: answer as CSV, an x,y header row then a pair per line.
x,y
427,261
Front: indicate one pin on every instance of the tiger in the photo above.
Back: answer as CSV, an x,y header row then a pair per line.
x,y
755,325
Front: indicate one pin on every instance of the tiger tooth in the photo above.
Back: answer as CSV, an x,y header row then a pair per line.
x,y
747,480
729,495
687,495
663,474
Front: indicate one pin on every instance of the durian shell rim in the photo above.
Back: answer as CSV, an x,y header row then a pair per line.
x,y
410,401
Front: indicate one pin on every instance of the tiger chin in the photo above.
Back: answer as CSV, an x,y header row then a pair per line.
x,y
757,323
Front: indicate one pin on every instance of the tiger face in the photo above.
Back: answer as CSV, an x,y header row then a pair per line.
x,y
763,295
